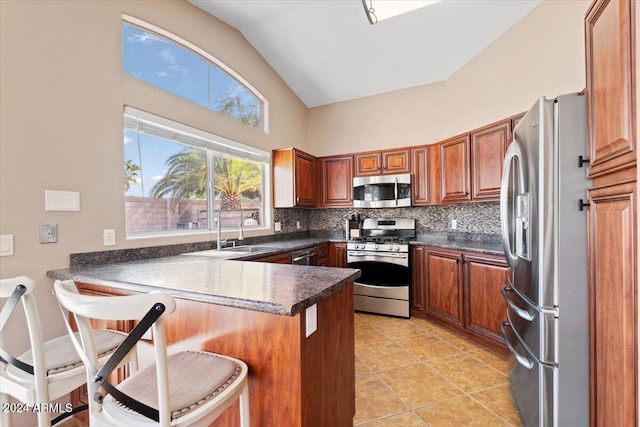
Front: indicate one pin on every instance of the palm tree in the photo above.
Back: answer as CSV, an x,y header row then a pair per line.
x,y
186,178
232,106
235,178
130,174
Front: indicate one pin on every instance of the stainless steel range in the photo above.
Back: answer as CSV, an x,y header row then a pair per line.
x,y
382,254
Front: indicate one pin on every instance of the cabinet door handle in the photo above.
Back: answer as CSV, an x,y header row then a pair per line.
x,y
297,199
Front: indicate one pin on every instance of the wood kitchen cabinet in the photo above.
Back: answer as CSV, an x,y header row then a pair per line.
x,y
455,170
484,307
322,254
335,181
382,162
284,258
614,303
443,273
471,165
612,116
488,146
418,281
425,171
337,255
461,290
294,175
611,85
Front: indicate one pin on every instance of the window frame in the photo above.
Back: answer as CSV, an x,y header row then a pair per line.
x,y
264,104
215,146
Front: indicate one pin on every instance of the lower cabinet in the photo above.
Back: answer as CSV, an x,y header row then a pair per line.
x,y
484,307
322,253
284,258
461,290
337,255
443,271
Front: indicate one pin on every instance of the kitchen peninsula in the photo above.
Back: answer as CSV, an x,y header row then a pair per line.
x,y
257,312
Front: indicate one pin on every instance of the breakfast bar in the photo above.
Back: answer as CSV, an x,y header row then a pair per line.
x,y
292,325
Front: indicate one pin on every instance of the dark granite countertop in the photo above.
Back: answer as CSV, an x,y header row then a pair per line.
x,y
491,245
271,288
226,278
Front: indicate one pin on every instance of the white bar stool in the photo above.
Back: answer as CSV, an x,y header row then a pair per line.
x,y
183,389
49,370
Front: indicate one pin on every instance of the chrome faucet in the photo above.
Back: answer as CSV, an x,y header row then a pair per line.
x,y
219,239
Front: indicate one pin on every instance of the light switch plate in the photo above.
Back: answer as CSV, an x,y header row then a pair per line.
x,y
277,226
61,200
6,245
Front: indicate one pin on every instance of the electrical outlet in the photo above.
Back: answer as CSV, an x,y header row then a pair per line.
x,y
298,226
312,319
109,237
48,233
454,224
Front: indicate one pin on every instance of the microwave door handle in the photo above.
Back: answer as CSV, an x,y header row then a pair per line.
x,y
514,152
395,191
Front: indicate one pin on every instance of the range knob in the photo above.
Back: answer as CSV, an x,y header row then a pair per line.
x,y
389,248
397,248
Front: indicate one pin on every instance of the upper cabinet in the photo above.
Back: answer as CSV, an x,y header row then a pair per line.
x,y
471,165
611,85
382,162
294,174
488,146
425,173
454,161
335,181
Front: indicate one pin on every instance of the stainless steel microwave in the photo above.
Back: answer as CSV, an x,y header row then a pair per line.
x,y
382,191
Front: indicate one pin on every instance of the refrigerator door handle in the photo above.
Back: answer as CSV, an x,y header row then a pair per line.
x,y
524,314
514,152
523,360
547,311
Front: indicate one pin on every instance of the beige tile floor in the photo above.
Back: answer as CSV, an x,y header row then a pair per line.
x,y
417,373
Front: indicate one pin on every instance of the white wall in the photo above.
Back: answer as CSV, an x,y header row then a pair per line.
x,y
542,54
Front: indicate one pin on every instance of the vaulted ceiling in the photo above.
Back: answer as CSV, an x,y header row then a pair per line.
x,y
327,51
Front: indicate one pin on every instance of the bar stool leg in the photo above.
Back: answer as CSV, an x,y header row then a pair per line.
x,y
244,406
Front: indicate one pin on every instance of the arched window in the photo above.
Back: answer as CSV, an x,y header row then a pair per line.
x,y
177,66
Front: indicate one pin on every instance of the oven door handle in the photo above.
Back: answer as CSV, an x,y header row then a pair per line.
x,y
300,258
378,254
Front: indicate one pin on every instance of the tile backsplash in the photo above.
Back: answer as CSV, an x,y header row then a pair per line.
x,y
471,217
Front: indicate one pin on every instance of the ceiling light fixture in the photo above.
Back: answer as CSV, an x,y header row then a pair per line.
x,y
377,10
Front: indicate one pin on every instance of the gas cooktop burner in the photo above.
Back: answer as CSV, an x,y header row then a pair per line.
x,y
381,239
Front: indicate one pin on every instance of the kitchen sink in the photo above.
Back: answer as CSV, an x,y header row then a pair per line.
x,y
248,248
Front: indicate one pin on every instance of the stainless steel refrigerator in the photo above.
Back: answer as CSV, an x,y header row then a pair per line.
x,y
544,230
